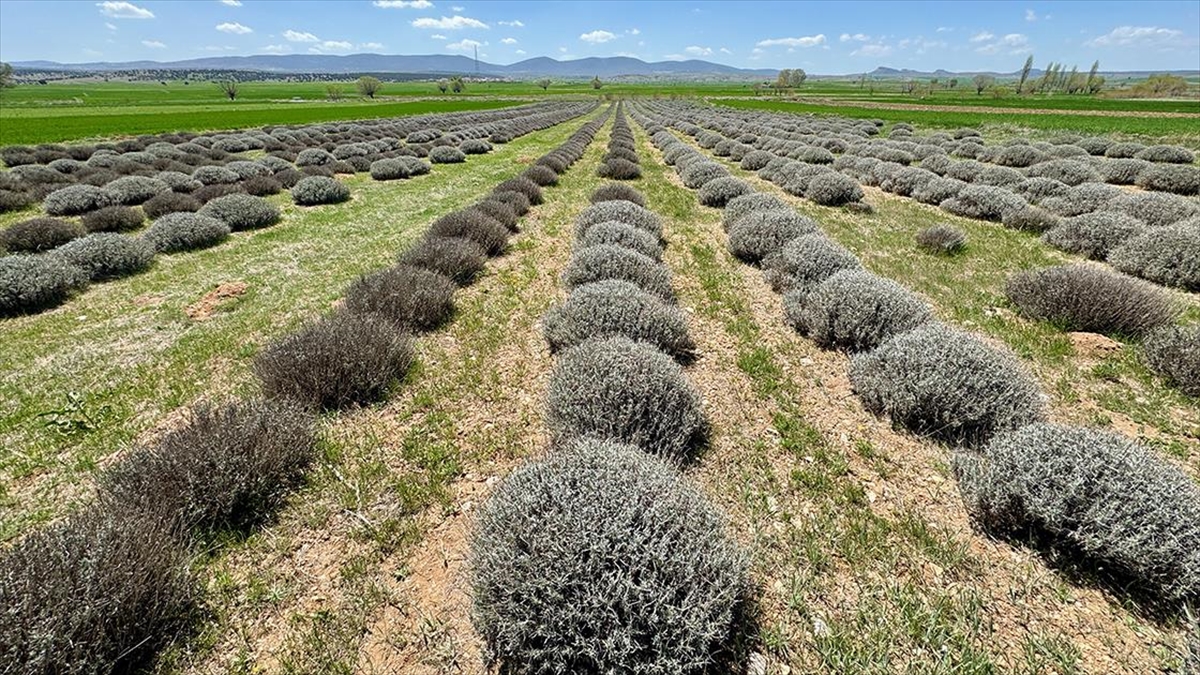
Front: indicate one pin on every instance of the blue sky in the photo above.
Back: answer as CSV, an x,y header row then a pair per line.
x,y
821,37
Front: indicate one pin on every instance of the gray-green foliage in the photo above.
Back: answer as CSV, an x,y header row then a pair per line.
x,y
1094,234
29,283
39,234
1168,255
398,168
621,211
183,231
338,361
133,190
101,592
945,383
608,261
618,308
242,211
833,189
807,260
457,258
108,255
744,205
719,191
1174,353
759,234
1087,297
412,298
985,202
1156,208
75,200
317,190
627,391
696,175
446,154
855,310
227,468
1100,497
942,238
1176,178
620,234
602,559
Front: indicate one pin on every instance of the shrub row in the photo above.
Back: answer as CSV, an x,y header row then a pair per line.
x,y
1098,497
1050,188
109,587
63,250
621,162
601,557
133,171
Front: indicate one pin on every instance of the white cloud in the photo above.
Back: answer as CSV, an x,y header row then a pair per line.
x,y
457,8
232,3
154,44
562,50
1141,36
807,41
598,37
515,23
234,28
404,4
449,23
982,36
299,36
944,29
628,55
464,45
873,50
374,46
331,46
857,37
110,26
921,44
277,49
520,52
437,36
1030,15
124,10
698,51
725,50
756,50
634,31
509,41
1013,43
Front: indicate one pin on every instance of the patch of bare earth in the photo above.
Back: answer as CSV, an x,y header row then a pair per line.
x,y
1022,598
215,299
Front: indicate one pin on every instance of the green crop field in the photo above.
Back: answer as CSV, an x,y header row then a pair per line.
x,y
64,111
1184,130
34,125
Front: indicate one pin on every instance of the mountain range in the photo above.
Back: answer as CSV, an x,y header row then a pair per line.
x,y
431,64
447,64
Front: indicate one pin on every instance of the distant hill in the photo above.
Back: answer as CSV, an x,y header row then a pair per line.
x,y
431,64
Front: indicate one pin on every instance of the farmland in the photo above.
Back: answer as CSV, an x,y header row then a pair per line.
x,y
798,385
